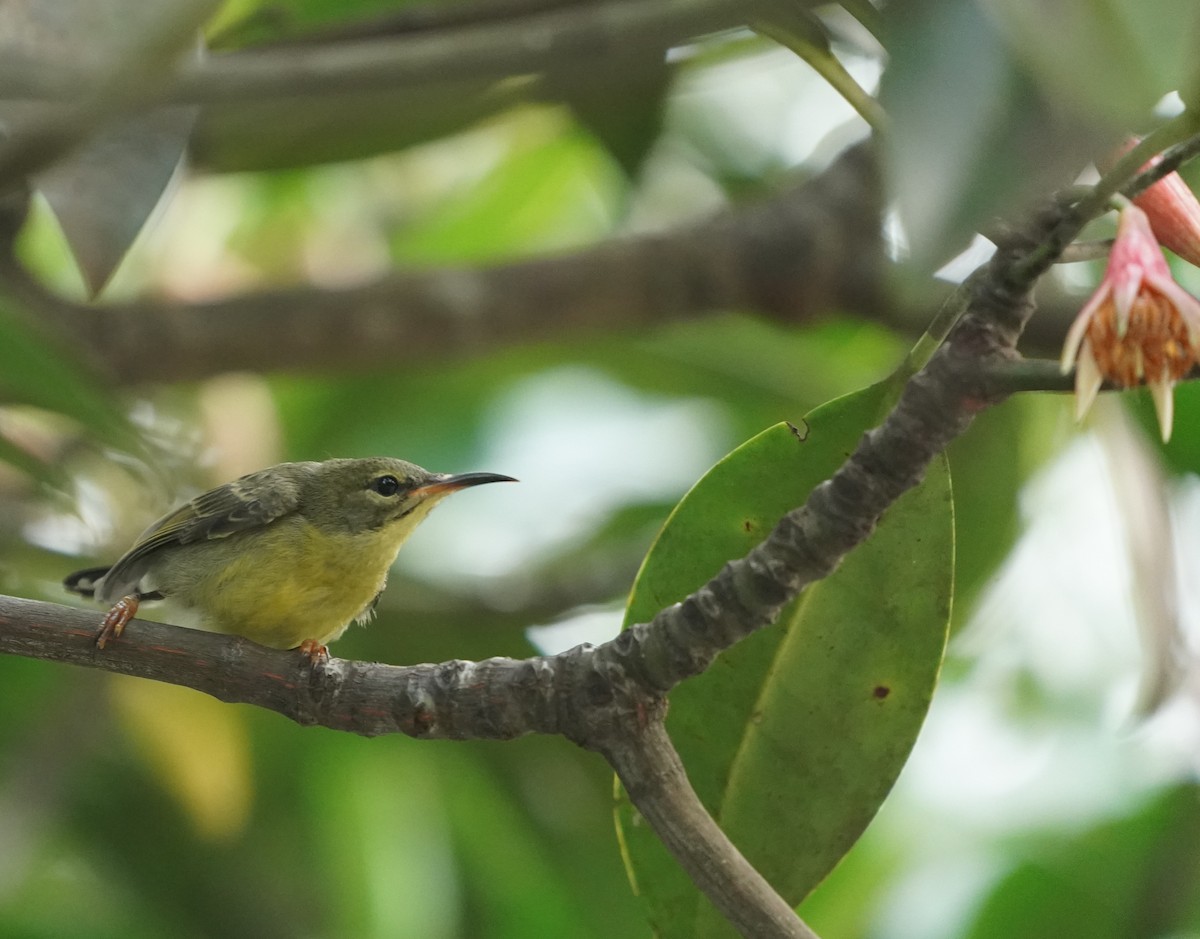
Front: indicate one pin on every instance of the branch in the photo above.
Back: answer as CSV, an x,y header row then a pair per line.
x,y
448,701
496,699
937,405
420,18
810,250
544,39
649,768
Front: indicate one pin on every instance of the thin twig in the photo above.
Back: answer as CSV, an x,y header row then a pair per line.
x,y
1045,375
800,32
648,765
1078,251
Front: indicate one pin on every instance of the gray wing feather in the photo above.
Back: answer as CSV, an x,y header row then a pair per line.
x,y
242,505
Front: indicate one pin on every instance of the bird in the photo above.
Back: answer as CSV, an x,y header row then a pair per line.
x,y
287,556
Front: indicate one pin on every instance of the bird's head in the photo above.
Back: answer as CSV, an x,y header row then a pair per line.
x,y
380,492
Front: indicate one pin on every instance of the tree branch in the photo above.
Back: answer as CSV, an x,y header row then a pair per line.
x,y
648,765
609,32
810,250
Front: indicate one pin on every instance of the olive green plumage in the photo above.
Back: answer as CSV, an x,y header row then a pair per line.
x,y
286,556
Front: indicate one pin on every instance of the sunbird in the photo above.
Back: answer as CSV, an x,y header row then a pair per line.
x,y
287,556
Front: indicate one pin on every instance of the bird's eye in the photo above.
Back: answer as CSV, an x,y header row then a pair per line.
x,y
386,485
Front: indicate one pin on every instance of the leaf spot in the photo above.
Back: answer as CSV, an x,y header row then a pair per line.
x,y
881,692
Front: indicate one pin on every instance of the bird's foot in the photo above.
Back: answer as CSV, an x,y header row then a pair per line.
x,y
315,652
114,622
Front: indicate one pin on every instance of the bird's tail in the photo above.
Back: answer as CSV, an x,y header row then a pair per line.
x,y
84,582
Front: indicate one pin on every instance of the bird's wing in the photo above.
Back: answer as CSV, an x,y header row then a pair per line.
x,y
244,504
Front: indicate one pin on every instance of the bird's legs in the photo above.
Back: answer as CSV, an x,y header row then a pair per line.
x,y
114,622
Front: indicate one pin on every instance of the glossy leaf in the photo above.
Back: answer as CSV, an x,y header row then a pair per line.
x,y
794,737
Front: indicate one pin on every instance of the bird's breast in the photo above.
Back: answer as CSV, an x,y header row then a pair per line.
x,y
288,582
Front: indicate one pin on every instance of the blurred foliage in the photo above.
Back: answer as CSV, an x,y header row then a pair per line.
x,y
133,810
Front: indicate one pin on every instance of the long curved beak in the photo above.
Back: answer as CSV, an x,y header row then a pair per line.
x,y
444,482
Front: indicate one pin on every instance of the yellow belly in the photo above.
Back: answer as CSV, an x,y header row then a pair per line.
x,y
283,584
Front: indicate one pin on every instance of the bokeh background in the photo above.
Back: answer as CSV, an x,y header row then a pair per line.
x,y
1036,803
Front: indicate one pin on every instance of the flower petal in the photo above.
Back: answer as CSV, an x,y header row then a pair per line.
x,y
1087,381
1174,215
1162,389
1126,287
1079,327
1135,247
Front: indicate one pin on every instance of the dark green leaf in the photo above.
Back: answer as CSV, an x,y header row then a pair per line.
x,y
283,134
794,737
624,107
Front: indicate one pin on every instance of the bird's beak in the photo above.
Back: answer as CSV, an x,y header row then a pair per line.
x,y
443,483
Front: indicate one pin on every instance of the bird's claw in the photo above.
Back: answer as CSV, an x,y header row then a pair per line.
x,y
315,652
115,620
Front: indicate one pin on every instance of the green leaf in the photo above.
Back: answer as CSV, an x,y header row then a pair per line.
x,y
1129,876
238,136
104,192
262,22
625,111
990,466
1109,58
35,371
794,737
975,135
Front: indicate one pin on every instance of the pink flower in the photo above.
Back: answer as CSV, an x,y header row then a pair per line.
x,y
1138,325
1173,210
